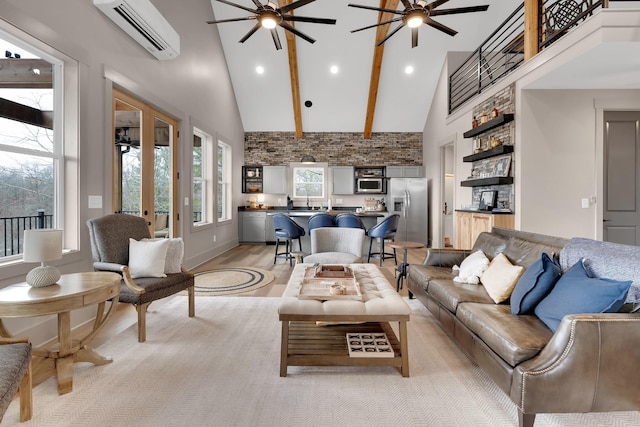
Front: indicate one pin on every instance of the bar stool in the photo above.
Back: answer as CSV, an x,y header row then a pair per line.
x,y
384,230
321,220
288,230
350,220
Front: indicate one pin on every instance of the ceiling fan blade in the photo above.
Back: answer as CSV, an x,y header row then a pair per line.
x,y
297,18
390,34
238,6
248,18
377,25
459,10
435,4
377,9
414,37
294,5
296,32
258,4
440,27
406,4
276,39
250,33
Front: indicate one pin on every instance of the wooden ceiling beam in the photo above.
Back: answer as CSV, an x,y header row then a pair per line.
x,y
376,67
293,74
26,73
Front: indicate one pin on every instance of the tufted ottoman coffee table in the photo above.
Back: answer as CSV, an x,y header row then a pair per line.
x,y
307,343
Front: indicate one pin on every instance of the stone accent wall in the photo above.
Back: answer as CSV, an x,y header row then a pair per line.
x,y
505,101
335,148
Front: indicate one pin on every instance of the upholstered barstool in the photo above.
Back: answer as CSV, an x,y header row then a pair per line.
x,y
287,230
350,220
384,230
321,220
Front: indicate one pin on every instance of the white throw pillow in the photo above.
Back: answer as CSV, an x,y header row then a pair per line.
x,y
147,258
175,254
500,278
471,268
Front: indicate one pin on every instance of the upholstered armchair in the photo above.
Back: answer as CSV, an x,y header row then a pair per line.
x,y
110,236
336,245
15,375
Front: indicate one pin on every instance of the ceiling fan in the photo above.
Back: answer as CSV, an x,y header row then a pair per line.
x,y
269,16
417,13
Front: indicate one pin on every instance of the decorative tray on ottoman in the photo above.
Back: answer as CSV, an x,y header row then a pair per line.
x,y
329,282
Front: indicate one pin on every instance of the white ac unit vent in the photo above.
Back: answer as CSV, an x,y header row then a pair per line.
x,y
145,24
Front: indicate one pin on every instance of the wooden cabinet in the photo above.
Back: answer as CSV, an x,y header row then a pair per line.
x,y
405,171
343,180
470,224
252,179
275,179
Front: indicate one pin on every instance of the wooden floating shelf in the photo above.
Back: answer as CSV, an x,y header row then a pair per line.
x,y
481,182
501,149
493,123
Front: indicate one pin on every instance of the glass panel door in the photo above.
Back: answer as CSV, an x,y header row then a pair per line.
x,y
163,136
128,158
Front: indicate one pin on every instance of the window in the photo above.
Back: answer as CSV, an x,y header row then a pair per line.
x,y
31,144
309,181
224,181
199,177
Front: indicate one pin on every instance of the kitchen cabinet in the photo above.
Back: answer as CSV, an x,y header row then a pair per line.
x,y
343,180
269,229
252,179
470,224
405,171
252,227
275,179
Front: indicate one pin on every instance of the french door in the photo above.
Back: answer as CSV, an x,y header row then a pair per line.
x,y
144,164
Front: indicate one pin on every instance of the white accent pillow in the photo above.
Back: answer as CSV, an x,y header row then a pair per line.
x,y
175,254
147,258
500,278
471,268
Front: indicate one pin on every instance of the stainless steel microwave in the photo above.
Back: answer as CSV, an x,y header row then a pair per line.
x,y
374,185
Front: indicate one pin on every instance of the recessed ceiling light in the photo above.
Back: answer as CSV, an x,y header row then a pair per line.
x,y
334,69
260,69
409,69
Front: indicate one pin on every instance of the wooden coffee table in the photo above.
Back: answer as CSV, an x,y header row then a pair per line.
x,y
306,343
72,292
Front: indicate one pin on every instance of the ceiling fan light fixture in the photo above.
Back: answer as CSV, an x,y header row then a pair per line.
x,y
308,160
268,22
414,20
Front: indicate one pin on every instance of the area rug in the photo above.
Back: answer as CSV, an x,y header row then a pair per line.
x,y
221,368
231,280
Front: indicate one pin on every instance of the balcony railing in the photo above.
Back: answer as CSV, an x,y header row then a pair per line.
x,y
13,230
503,51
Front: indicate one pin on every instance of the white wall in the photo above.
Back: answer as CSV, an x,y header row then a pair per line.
x,y
195,88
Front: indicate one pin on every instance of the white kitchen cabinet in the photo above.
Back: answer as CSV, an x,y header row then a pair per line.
x,y
274,180
343,180
405,172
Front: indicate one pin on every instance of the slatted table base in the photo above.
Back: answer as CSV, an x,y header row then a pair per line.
x,y
308,344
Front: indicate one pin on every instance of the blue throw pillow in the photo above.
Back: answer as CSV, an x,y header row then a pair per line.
x,y
535,284
578,291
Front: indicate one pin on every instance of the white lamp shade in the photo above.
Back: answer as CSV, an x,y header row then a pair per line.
x,y
42,245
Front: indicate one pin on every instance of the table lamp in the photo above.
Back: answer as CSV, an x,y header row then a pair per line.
x,y
40,246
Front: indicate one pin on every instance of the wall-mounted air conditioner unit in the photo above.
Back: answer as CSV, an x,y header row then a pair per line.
x,y
142,21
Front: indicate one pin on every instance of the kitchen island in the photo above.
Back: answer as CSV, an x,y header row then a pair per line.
x,y
256,225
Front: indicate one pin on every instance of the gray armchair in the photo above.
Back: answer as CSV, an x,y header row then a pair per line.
x,y
15,375
110,248
336,245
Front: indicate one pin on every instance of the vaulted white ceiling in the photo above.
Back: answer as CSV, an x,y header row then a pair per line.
x,y
340,100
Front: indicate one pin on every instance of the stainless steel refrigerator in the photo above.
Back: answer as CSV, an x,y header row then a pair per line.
x,y
408,198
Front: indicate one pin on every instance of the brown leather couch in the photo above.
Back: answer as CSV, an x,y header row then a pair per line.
x,y
590,364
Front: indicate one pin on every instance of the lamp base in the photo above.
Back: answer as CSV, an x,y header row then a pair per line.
x,y
42,276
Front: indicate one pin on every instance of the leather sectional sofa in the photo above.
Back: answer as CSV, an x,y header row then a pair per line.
x,y
589,364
